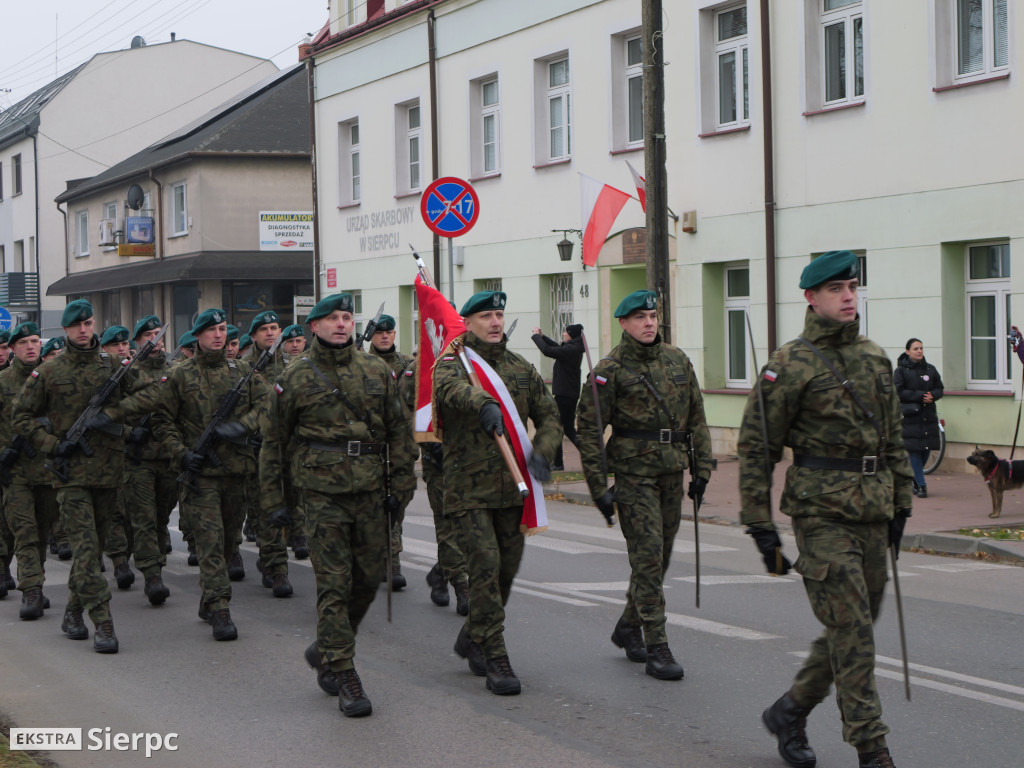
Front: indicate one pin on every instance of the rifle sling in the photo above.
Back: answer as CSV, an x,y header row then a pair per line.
x,y
650,387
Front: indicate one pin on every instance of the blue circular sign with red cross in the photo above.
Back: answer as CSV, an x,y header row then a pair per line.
x,y
450,207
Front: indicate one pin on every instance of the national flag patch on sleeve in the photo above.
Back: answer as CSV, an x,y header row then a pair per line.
x,y
35,374
600,379
409,373
163,379
770,375
447,358
279,389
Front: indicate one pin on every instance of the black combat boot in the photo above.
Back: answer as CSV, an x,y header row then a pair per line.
x,y
32,604
352,699
325,678
8,580
398,580
3,589
236,569
879,758
104,640
461,597
501,679
248,531
223,627
124,575
266,579
788,721
470,650
73,625
205,614
64,550
52,544
661,664
155,589
193,558
300,546
438,586
631,639
282,587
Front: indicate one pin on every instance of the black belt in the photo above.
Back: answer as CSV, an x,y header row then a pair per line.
x,y
351,448
652,435
865,465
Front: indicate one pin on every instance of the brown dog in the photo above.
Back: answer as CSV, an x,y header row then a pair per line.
x,y
1000,475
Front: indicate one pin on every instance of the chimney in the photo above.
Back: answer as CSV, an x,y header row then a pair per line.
x,y
172,37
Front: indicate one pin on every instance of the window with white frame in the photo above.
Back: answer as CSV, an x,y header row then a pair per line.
x,y
349,163
414,146
634,76
349,12
82,218
737,305
179,209
16,174
357,310
842,46
490,123
988,315
110,212
559,109
732,70
408,136
982,38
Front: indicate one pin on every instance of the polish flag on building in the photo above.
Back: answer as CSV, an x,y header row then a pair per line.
x,y
440,324
601,206
641,186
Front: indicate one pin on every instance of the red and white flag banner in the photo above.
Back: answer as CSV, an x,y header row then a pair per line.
x,y
601,204
535,513
641,186
440,324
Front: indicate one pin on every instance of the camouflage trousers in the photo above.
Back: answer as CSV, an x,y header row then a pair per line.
x,y
120,538
87,513
30,512
272,540
151,491
844,570
450,555
6,541
213,510
650,509
494,549
347,545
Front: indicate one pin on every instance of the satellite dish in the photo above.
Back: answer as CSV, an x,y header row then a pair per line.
x,y
138,42
136,197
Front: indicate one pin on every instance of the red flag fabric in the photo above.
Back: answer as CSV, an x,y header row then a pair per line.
x,y
601,205
641,186
440,324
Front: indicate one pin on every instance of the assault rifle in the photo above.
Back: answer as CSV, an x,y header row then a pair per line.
x,y
204,445
79,430
370,329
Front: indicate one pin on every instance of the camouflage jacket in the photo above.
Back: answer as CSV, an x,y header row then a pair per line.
x,y
308,415
274,369
190,395
154,368
627,403
404,368
807,409
475,473
60,389
25,469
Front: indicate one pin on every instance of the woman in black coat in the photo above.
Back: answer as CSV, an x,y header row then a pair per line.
x,y
565,384
918,385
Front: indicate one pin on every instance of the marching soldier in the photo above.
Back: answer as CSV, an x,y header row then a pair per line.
x,y
60,390
52,348
231,350
186,346
828,395
450,567
120,538
244,346
294,342
649,394
479,491
340,411
5,350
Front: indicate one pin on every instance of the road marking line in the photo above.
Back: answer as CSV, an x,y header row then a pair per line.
x,y
967,693
549,596
570,547
963,567
1005,687
751,579
596,586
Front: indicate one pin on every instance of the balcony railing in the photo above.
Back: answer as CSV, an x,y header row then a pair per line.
x,y
19,288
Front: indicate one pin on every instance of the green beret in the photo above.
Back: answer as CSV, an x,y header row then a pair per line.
x,y
386,323
114,335
207,318
483,302
834,265
293,332
232,332
23,331
5,337
187,339
244,342
133,345
338,302
264,318
148,323
637,300
75,312
52,345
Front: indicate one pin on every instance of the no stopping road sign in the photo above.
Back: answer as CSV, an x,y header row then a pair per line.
x,y
450,207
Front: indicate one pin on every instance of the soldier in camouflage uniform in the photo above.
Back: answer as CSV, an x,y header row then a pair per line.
x,y
52,348
30,501
479,491
339,409
650,396
59,543
294,343
450,567
5,350
60,390
848,492
231,350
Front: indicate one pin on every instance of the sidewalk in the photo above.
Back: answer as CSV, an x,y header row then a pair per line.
x,y
955,500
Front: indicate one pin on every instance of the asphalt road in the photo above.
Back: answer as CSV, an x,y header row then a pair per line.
x,y
254,702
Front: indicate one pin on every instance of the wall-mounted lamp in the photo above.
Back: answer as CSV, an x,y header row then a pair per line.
x,y
565,244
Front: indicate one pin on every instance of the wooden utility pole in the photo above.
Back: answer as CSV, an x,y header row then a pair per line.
x,y
656,181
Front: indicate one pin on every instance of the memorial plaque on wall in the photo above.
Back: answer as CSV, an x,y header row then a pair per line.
x,y
634,246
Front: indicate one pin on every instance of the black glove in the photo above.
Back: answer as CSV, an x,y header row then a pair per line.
x,y
697,487
770,547
101,422
606,505
896,526
7,457
539,467
393,507
230,431
192,462
139,436
280,518
490,419
65,449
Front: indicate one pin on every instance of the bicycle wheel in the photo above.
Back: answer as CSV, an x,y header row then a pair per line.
x,y
934,458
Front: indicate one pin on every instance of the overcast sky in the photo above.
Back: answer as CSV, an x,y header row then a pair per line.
x,y
31,31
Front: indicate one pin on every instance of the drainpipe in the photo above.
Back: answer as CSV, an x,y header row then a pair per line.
x,y
316,199
769,175
39,282
432,51
159,212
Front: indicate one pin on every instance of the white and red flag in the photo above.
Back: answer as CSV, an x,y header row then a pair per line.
x,y
440,324
601,206
641,186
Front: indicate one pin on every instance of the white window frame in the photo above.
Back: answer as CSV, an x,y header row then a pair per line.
x,y
82,234
633,72
490,112
999,289
479,114
16,180
110,212
179,217
406,137
989,65
851,17
357,310
734,304
546,95
739,46
622,75
349,163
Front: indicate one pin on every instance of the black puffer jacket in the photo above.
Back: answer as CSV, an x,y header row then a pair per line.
x,y
920,420
568,355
